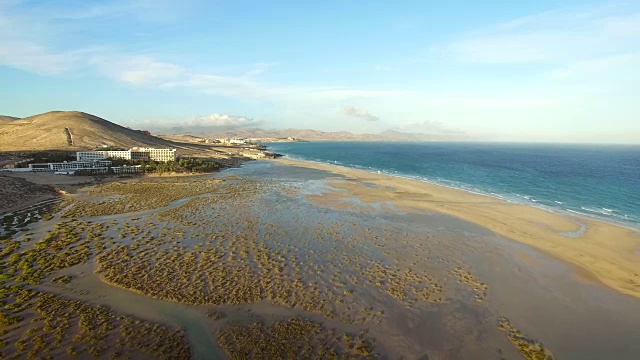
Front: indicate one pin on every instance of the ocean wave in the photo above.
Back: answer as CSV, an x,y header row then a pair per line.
x,y
604,211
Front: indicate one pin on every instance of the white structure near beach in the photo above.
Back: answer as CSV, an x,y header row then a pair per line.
x,y
66,167
234,141
162,155
70,165
97,161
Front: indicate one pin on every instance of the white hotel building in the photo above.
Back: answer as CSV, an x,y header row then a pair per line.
x,y
162,155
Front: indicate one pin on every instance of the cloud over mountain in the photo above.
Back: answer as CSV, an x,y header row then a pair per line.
x,y
224,120
359,113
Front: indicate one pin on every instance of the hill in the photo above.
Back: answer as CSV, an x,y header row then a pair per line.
x,y
70,130
7,119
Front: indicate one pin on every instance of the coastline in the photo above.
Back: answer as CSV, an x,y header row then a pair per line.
x,y
604,251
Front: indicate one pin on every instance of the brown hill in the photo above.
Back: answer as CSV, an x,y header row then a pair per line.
x,y
70,130
6,119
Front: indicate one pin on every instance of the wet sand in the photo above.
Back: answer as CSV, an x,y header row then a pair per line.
x,y
273,255
604,251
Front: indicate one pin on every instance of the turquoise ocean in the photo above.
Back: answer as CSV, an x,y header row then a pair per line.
x,y
600,181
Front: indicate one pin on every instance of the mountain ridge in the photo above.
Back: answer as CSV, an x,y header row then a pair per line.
x,y
69,130
315,135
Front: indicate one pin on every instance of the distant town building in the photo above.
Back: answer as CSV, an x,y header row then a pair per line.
x,y
230,141
162,155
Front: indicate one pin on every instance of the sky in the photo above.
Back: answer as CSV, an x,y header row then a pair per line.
x,y
558,71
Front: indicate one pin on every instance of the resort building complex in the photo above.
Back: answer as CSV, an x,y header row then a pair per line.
x,y
162,155
98,162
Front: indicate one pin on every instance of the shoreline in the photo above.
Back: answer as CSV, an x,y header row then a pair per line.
x,y
505,198
606,251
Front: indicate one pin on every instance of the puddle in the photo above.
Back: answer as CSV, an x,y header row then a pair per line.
x,y
575,234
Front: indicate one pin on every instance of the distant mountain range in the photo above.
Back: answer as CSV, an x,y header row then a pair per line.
x,y
72,131
317,135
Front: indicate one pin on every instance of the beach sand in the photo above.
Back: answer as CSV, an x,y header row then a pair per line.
x,y
605,252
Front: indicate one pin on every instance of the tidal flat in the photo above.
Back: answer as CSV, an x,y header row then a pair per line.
x,y
270,261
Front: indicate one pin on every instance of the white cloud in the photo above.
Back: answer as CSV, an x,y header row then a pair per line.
x,y
33,38
37,59
223,121
359,113
137,70
198,124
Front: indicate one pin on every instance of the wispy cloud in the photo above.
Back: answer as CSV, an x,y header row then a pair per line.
x,y
359,113
137,70
33,38
37,59
552,37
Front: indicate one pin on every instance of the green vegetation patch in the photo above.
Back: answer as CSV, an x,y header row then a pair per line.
x,y
295,338
123,197
530,349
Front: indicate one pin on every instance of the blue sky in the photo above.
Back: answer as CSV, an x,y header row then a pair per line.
x,y
521,71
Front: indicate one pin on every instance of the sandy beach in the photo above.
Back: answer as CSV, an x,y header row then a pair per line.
x,y
604,251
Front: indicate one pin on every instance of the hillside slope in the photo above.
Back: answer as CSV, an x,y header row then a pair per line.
x,y
70,130
6,119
